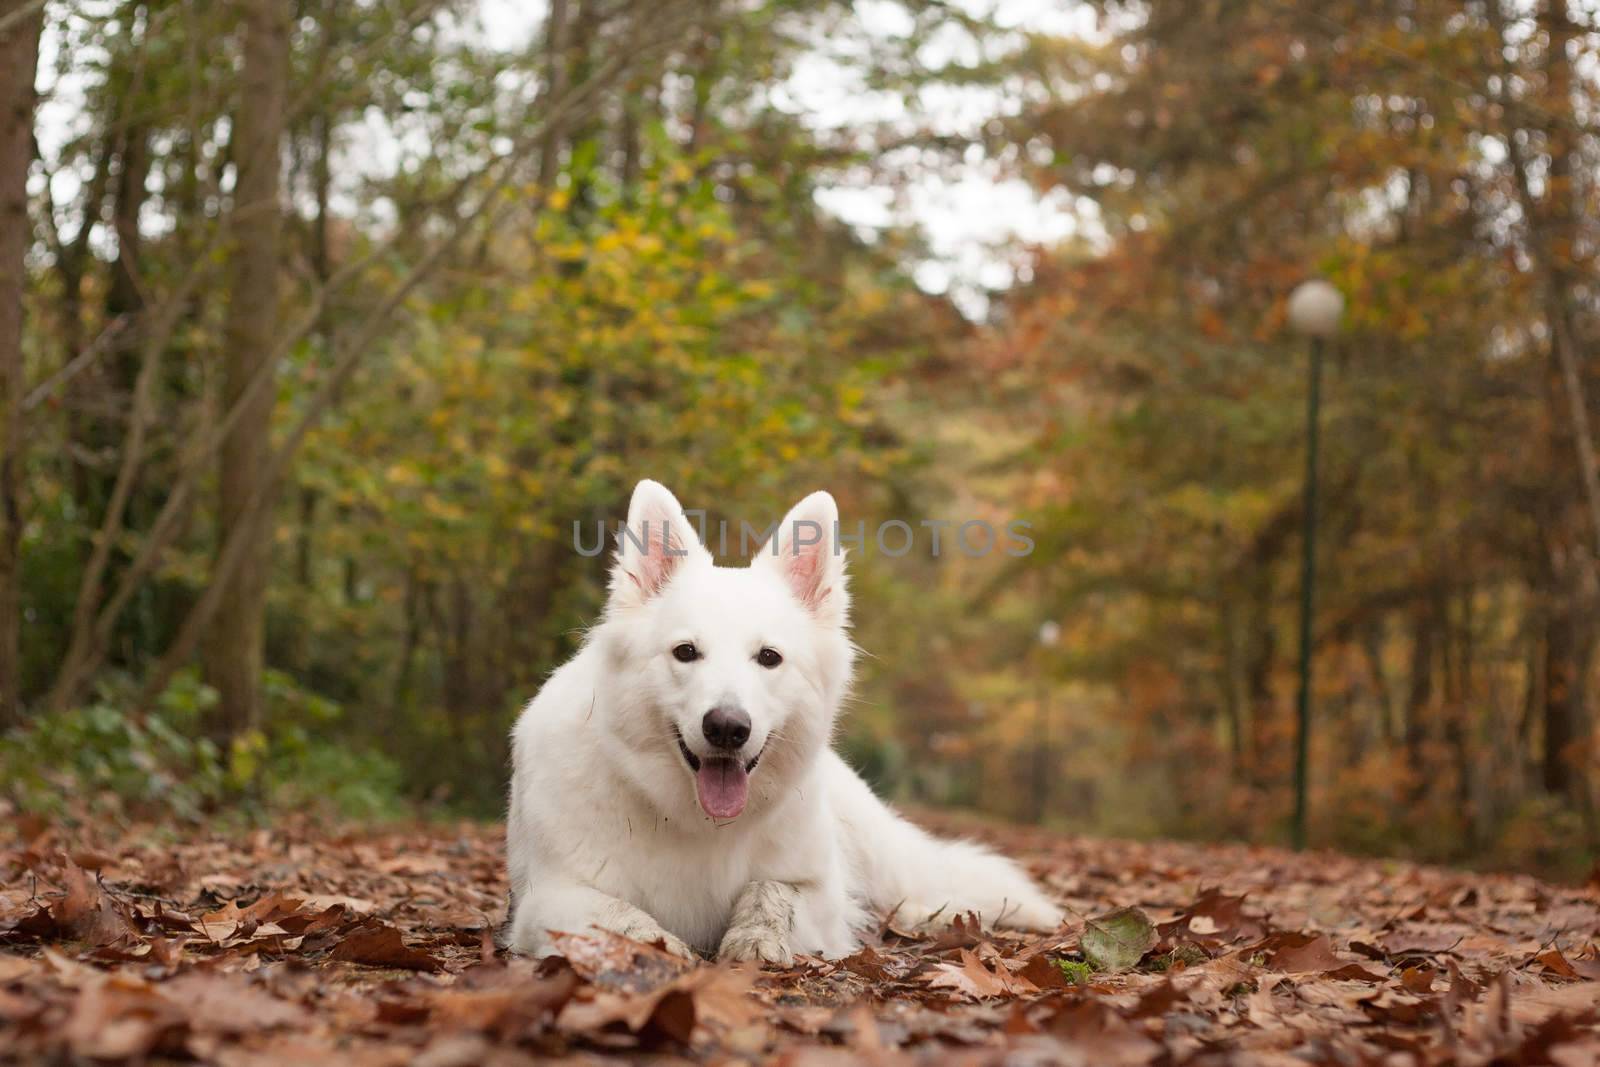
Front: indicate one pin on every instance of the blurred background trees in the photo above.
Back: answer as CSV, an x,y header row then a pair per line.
x,y
339,316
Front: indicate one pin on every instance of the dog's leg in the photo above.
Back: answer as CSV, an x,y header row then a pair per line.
x,y
763,924
576,909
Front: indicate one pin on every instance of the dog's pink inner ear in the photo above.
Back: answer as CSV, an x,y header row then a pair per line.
x,y
664,551
804,568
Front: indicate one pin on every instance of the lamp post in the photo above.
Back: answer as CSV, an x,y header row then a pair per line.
x,y
1315,308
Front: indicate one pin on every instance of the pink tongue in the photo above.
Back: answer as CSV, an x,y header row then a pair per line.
x,y
723,786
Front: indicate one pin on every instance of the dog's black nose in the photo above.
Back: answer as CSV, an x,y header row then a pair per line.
x,y
726,728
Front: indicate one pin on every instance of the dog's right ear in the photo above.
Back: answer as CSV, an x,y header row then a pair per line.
x,y
806,553
655,544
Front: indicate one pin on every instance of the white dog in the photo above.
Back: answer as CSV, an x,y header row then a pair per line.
x,y
674,782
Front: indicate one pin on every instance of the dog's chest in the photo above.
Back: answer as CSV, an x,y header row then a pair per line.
x,y
688,883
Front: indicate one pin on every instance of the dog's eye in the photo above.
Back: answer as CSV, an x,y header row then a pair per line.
x,y
685,652
769,657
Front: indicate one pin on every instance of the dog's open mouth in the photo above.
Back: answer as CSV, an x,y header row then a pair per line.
x,y
722,783
689,757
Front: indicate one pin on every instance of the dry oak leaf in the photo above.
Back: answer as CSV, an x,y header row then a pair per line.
x,y
380,945
1094,1034
324,901
1537,1003
121,1018
516,1003
871,964
1420,941
963,931
1213,920
229,1003
13,968
1557,963
85,913
1041,970
1418,979
609,959
1295,953
973,979
717,995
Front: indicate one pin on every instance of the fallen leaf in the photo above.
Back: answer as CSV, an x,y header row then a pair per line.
x,y
1264,985
1116,941
612,960
1101,1036
1418,979
973,978
1300,953
1041,970
381,945
85,913
226,1003
869,963
119,1018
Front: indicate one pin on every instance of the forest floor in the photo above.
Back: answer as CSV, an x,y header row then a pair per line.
x,y
308,946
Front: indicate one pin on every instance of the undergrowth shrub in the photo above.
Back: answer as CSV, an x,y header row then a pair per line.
x,y
100,760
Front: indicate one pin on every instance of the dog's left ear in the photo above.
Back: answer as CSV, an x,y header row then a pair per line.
x,y
806,552
654,547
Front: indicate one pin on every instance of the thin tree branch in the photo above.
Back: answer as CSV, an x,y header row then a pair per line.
x,y
1578,412
21,15
144,394
76,365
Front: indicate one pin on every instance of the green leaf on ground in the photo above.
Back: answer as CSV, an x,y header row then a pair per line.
x,y
1115,941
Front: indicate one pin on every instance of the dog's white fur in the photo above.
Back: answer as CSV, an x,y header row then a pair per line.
x,y
605,828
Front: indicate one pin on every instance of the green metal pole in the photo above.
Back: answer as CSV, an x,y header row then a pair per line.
x,y
1308,582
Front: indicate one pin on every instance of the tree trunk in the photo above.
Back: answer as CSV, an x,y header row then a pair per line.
x,y
630,139
321,256
1419,695
1567,655
1552,231
72,263
19,52
125,296
415,595
556,71
126,300
1458,726
1373,637
233,654
1232,685
124,170
1261,645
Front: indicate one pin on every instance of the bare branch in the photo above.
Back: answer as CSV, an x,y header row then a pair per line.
x,y
21,15
76,365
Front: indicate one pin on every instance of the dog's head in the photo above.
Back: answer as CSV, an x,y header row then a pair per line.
x,y
723,681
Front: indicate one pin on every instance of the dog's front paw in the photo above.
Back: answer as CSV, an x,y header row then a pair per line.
x,y
746,944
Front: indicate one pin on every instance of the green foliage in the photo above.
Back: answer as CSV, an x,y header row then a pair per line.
x,y
1076,971
102,758
99,760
